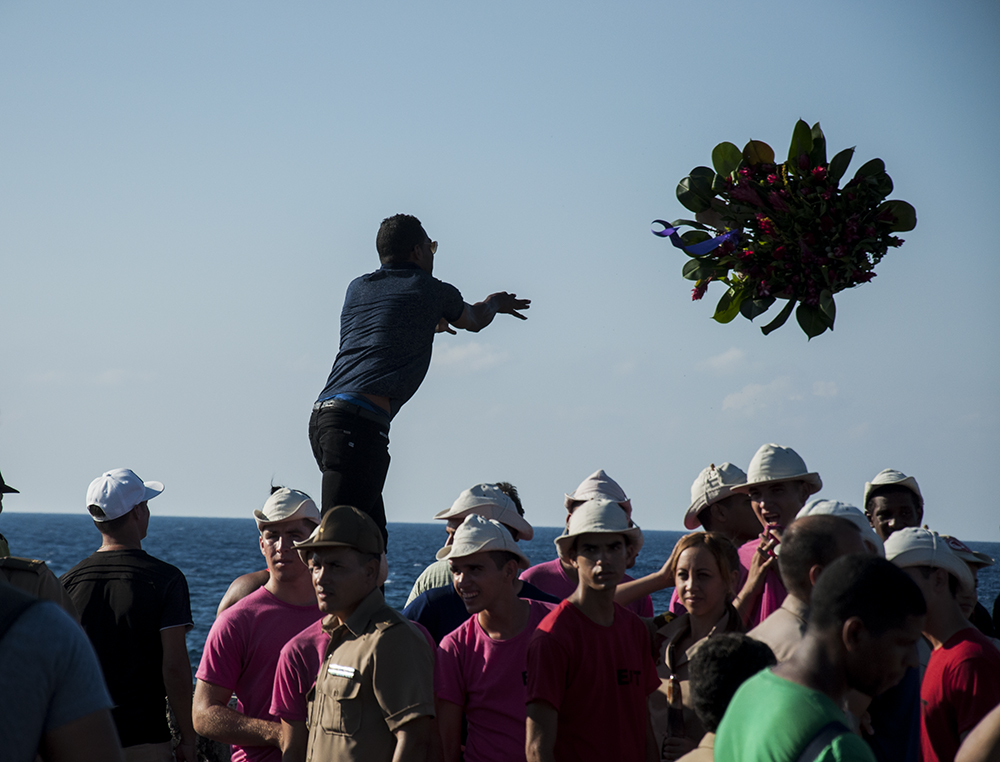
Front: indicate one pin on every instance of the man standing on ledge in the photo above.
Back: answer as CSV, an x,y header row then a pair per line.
x,y
387,331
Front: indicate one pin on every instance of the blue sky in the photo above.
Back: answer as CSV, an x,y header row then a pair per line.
x,y
186,189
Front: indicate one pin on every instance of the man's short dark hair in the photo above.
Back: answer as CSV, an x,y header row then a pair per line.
x,y
511,491
809,541
722,664
396,238
878,592
501,557
896,489
112,526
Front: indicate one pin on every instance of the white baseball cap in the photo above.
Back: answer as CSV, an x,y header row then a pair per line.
x,y
118,492
598,517
479,535
285,504
712,485
914,546
774,463
849,512
490,502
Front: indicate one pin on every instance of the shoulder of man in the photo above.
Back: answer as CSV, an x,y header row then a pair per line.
x,y
14,563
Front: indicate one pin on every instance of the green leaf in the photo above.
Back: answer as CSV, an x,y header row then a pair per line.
x,y
689,223
811,320
818,153
840,164
691,196
827,307
726,158
802,143
729,306
779,321
904,215
751,308
869,168
883,184
758,152
697,269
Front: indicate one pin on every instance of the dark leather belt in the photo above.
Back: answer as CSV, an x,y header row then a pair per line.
x,y
353,409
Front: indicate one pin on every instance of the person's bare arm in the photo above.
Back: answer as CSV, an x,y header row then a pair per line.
x,y
177,681
759,565
241,587
982,744
477,316
628,592
91,738
449,723
214,719
294,741
540,732
413,740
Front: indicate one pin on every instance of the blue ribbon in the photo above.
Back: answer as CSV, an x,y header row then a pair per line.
x,y
694,249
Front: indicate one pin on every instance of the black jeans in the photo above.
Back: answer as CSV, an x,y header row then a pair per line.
x,y
352,451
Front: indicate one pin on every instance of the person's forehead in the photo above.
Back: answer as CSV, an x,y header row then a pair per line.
x,y
893,501
290,525
474,559
327,554
600,538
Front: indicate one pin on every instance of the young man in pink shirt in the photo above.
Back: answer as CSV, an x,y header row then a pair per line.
x,y
590,663
241,652
481,666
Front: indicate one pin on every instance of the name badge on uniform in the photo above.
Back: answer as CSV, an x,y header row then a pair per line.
x,y
338,670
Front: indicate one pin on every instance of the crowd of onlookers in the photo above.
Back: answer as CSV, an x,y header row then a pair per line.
x,y
798,630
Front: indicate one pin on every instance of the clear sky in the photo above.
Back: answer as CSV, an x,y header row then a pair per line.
x,y
187,188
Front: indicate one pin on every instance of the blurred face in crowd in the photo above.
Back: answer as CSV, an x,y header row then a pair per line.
x,y
894,511
776,503
479,582
875,663
967,599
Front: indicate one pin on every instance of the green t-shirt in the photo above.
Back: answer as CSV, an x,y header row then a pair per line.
x,y
772,719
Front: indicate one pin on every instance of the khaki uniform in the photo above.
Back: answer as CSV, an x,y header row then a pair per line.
x,y
34,577
784,629
378,675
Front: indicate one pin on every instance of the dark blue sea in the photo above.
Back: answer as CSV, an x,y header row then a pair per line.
x,y
212,552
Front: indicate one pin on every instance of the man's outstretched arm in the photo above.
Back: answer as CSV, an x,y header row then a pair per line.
x,y
477,316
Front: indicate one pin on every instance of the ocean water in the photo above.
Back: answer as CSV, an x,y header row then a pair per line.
x,y
212,552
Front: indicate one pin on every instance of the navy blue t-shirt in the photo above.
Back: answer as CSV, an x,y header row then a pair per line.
x,y
387,332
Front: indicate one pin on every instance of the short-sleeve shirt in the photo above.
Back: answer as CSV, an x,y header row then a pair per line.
x,y
378,675
296,674
241,655
125,598
51,678
387,332
772,593
552,578
597,678
961,685
487,678
771,718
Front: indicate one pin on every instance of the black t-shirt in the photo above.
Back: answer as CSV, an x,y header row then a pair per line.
x,y
387,332
125,597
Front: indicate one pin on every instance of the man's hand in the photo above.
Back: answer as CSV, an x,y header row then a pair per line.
x,y
509,304
186,752
444,326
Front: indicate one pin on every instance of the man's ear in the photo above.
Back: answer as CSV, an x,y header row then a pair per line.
x,y
853,632
814,571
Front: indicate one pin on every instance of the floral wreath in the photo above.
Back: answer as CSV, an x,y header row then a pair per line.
x,y
785,231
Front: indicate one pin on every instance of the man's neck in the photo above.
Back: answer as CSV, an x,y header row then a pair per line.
x,y
297,592
506,617
111,543
596,605
814,666
943,621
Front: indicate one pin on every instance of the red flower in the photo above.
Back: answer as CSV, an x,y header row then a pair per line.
x,y
699,289
819,173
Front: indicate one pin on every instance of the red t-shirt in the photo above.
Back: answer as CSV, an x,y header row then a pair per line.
x,y
598,678
961,685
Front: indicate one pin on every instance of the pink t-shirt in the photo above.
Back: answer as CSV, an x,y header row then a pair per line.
x,y
298,667
486,678
552,579
241,654
598,679
772,593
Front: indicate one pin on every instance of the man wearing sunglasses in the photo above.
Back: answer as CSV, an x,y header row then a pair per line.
x,y
387,329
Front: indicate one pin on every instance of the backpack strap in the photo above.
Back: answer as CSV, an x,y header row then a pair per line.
x,y
13,603
821,740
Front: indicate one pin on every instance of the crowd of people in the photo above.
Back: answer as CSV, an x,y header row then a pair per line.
x,y
798,629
